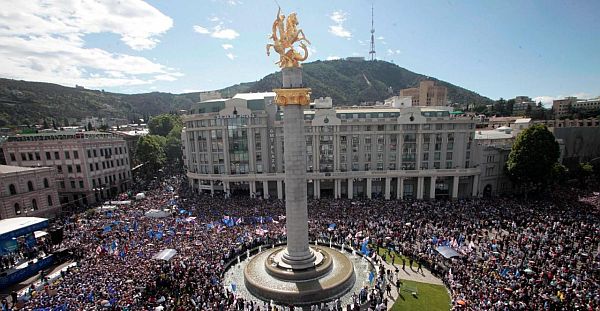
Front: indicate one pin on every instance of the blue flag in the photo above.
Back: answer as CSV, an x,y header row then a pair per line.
x,y
364,249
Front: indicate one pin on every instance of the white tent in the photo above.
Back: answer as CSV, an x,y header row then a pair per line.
x,y
154,213
39,234
140,196
105,208
166,254
117,202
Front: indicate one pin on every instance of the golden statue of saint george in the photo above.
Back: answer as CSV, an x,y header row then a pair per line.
x,y
284,34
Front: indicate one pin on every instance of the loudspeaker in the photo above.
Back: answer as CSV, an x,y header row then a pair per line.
x,y
56,235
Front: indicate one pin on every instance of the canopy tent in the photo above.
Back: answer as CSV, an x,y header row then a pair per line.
x,y
127,202
105,208
39,234
140,196
166,254
456,112
18,226
154,213
447,251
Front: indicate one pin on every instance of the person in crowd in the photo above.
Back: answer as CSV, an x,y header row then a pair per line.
x,y
514,254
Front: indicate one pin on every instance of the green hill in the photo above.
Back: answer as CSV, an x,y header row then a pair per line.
x,y
346,82
352,82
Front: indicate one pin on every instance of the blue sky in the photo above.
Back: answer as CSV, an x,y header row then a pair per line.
x,y
543,49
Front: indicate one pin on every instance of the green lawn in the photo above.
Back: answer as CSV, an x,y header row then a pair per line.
x,y
430,297
397,258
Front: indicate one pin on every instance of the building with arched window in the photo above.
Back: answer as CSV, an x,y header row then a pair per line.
x,y
26,191
89,167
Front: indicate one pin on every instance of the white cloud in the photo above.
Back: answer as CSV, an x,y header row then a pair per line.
x,y
380,38
224,33
339,17
231,56
311,50
200,29
333,57
547,99
214,19
217,32
227,46
393,52
44,42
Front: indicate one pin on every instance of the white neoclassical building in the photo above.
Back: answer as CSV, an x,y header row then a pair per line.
x,y
235,145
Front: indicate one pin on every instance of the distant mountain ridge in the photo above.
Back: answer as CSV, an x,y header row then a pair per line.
x,y
350,82
347,82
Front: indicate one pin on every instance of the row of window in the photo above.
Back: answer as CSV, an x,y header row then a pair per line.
x,y
108,164
35,156
12,189
34,205
105,152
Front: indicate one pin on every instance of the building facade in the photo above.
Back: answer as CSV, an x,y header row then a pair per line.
x,y
522,103
89,166
563,107
26,191
235,146
427,94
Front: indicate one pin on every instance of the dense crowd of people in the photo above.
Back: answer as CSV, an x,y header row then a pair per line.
x,y
515,254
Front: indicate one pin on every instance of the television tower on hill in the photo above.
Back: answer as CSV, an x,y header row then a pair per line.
x,y
372,51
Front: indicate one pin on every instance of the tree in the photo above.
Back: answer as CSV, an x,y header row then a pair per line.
x,y
54,125
151,151
559,173
528,111
163,124
500,107
45,126
510,105
582,172
173,152
89,126
532,158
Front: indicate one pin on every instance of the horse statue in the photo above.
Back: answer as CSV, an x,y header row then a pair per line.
x,y
285,34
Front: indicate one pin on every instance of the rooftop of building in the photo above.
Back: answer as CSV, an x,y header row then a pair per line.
x,y
7,169
523,120
61,135
140,132
492,134
254,96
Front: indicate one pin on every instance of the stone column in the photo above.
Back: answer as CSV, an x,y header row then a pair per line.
x,y
400,193
350,188
455,187
475,185
336,189
212,187
432,187
279,190
420,188
226,188
292,98
252,186
369,187
387,188
266,189
317,189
